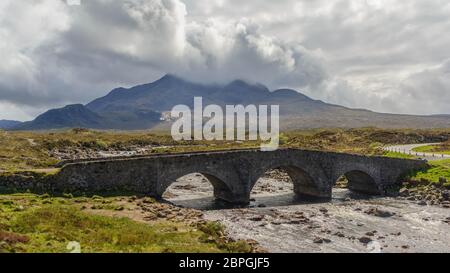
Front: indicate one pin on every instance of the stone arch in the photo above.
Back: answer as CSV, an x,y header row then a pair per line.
x,y
305,185
222,190
361,181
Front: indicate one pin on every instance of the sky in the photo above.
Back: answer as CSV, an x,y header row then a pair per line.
x,y
383,55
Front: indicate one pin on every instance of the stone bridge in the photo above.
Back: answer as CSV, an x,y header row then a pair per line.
x,y
234,173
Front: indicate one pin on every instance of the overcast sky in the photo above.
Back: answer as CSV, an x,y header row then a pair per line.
x,y
383,55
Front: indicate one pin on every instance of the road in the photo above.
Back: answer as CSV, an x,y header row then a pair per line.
x,y
408,149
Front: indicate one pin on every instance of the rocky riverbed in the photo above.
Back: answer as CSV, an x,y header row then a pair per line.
x,y
89,153
427,194
280,222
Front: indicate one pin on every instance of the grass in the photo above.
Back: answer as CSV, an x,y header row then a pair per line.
x,y
398,155
438,149
435,171
31,150
22,151
366,141
42,224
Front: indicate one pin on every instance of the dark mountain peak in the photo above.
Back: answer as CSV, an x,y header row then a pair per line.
x,y
70,116
9,124
117,91
168,80
171,79
241,85
241,92
239,82
73,107
68,109
290,93
73,110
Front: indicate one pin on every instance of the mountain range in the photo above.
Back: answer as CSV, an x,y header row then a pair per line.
x,y
141,107
8,124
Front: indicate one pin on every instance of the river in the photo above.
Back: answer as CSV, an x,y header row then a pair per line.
x,y
281,223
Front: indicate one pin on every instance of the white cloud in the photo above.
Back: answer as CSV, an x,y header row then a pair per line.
x,y
25,27
228,50
377,54
12,111
427,91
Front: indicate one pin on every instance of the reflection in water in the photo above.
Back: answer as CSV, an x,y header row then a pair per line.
x,y
266,200
195,191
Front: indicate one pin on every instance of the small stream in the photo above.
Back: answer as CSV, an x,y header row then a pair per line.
x,y
280,222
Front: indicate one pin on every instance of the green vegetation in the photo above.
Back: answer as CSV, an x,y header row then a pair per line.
x,y
23,151
438,149
398,155
30,223
435,171
425,149
368,141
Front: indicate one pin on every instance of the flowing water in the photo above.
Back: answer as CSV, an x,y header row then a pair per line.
x,y
280,222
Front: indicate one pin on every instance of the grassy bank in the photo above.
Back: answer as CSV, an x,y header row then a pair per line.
x,y
429,186
31,223
436,171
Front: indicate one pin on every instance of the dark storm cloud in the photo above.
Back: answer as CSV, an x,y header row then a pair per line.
x,y
378,54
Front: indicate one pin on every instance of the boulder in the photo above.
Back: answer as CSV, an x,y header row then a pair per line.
x,y
404,192
365,240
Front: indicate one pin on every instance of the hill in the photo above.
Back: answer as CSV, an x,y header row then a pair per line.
x,y
141,107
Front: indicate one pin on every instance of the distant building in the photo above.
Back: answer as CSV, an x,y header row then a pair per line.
x,y
166,116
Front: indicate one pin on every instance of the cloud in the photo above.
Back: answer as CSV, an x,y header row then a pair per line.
x,y
157,35
11,111
76,53
25,28
375,54
428,91
425,92
228,50
371,49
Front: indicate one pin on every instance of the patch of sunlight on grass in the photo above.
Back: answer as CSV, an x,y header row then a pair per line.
x,y
431,149
437,169
398,155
